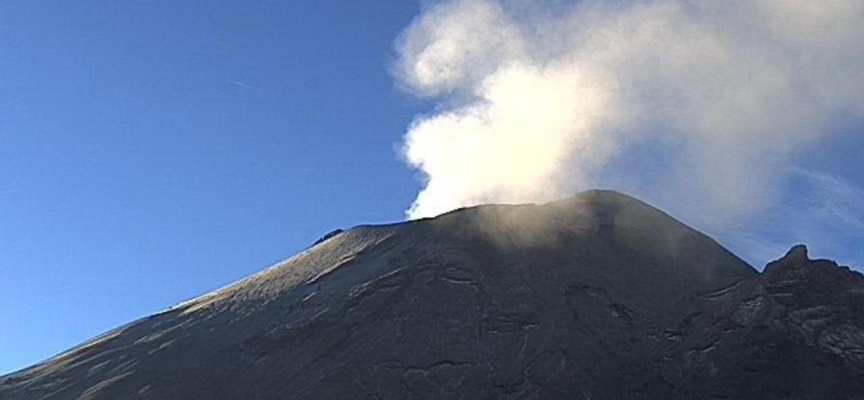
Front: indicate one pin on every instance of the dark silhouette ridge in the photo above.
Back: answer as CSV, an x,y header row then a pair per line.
x,y
328,236
599,296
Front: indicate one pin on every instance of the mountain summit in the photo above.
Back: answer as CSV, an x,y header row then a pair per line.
x,y
599,296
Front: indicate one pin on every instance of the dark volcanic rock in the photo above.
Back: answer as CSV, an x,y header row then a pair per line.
x,y
596,297
796,332
328,236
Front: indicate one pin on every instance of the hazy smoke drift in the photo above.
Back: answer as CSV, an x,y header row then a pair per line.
x,y
537,99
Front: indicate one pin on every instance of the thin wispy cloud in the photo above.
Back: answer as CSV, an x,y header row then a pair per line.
x,y
241,84
820,210
836,199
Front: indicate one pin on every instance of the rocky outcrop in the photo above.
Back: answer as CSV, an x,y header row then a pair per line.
x,y
596,297
794,332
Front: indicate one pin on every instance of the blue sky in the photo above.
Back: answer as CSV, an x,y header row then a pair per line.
x,y
153,151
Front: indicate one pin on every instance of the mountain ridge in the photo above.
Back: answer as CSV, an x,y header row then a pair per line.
x,y
596,295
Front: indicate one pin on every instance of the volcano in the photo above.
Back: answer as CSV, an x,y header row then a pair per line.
x,y
599,296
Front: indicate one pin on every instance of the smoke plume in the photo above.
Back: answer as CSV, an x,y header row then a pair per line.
x,y
535,100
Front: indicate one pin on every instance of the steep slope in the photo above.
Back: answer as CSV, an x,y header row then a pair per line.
x,y
795,332
596,296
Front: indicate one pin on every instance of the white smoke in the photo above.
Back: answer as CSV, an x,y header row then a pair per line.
x,y
537,100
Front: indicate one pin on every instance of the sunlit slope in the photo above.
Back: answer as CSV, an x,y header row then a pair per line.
x,y
488,301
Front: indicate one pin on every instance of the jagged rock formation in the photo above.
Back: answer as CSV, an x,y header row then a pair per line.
x,y
596,297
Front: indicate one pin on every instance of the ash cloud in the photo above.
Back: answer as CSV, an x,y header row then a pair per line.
x,y
535,100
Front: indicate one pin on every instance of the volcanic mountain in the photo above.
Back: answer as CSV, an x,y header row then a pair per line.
x,y
599,296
